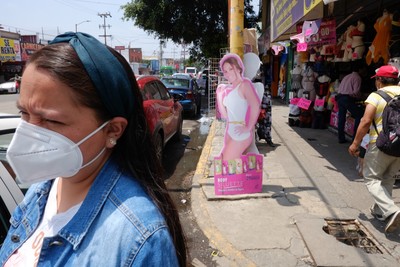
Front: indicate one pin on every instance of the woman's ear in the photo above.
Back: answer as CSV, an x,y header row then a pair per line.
x,y
115,129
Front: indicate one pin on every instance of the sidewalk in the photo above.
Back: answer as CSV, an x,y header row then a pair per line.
x,y
308,178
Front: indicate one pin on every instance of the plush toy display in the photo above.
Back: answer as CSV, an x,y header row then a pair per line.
x,y
380,44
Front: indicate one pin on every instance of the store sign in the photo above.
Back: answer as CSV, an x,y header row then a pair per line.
x,y
27,49
9,50
326,34
285,13
119,47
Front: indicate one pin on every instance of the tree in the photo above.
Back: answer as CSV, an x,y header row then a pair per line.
x,y
202,23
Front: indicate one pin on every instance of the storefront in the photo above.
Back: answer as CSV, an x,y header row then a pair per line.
x,y
14,52
316,43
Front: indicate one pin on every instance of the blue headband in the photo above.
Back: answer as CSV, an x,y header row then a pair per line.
x,y
106,72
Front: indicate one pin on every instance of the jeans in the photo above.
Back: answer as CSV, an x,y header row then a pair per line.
x,y
348,103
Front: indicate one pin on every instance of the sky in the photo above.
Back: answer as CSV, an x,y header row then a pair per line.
x,y
47,18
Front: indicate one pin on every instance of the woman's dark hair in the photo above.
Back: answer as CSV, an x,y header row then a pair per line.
x,y
134,151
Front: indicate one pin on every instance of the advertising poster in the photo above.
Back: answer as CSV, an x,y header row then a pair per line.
x,y
239,167
238,176
9,50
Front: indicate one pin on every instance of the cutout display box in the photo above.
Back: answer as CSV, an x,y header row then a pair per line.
x,y
238,176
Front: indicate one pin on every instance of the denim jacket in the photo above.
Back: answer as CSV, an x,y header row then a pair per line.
x,y
117,225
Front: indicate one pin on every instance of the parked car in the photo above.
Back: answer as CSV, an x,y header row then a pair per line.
x,y
186,91
182,75
11,86
202,80
10,192
10,196
163,113
191,70
8,124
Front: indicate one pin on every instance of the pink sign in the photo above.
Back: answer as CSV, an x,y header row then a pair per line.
x,y
304,103
238,176
319,102
294,101
301,47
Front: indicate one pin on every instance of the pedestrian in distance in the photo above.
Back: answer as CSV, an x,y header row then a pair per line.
x,y
239,104
379,168
265,119
97,196
347,98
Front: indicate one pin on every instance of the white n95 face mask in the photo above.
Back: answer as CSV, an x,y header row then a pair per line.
x,y
38,154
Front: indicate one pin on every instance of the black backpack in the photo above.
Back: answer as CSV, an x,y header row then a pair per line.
x,y
389,138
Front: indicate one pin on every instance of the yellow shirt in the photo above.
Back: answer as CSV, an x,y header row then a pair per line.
x,y
380,103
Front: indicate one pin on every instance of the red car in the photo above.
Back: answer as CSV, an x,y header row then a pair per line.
x,y
163,113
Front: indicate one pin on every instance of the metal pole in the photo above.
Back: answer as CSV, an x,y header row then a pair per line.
x,y
236,25
76,25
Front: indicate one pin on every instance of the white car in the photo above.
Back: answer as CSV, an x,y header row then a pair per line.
x,y
11,86
181,75
10,192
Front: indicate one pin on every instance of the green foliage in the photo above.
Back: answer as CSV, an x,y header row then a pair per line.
x,y
201,23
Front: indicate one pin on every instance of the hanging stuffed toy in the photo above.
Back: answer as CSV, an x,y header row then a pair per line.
x,y
380,44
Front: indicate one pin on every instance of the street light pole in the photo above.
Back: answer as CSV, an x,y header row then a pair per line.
x,y
76,25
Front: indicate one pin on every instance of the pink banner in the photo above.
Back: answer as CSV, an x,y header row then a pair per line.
x,y
304,103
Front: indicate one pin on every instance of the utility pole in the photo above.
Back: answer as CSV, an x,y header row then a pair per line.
x,y
236,24
162,44
104,26
183,53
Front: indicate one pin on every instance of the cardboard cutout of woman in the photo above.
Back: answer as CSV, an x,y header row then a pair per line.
x,y
239,105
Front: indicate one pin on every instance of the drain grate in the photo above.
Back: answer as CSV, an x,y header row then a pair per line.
x,y
351,232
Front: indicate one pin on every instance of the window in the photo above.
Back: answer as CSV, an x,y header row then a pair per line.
x,y
163,92
151,90
4,221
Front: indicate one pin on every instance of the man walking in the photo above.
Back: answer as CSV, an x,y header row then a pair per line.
x,y
347,97
379,168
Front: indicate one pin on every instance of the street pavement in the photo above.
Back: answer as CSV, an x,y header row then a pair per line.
x,y
312,197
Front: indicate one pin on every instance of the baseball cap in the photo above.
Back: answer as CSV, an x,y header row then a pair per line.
x,y
388,71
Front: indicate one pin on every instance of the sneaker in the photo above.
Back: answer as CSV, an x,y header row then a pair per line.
x,y
394,222
376,216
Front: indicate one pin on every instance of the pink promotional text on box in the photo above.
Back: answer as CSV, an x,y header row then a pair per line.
x,y
238,176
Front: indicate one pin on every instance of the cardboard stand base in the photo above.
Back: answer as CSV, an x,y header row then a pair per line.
x,y
238,176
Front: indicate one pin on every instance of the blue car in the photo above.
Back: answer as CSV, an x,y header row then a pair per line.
x,y
186,91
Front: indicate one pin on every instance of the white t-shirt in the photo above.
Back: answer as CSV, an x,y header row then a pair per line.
x,y
28,254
